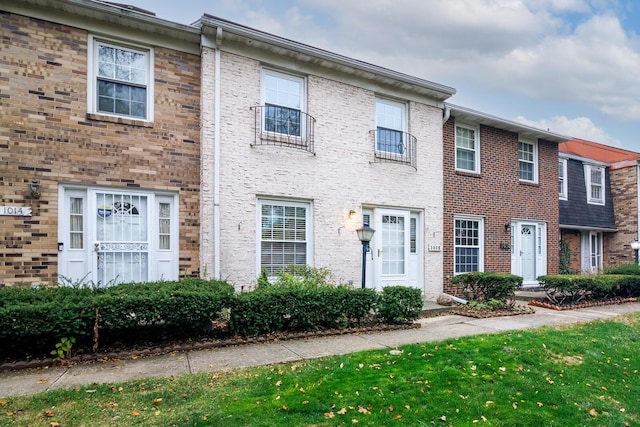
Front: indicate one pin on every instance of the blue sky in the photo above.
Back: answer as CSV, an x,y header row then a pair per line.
x,y
569,66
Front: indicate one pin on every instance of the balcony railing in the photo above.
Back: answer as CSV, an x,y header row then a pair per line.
x,y
394,146
283,126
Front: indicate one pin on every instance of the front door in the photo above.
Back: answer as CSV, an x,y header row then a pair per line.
x,y
121,237
115,236
528,252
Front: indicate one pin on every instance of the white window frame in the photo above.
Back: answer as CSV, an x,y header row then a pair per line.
x,y
476,149
534,162
92,76
302,97
589,184
479,246
562,179
308,230
595,251
401,127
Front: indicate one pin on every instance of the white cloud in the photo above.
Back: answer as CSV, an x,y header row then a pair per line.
x,y
580,127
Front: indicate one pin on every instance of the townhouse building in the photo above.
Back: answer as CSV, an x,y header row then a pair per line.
x,y
599,205
99,144
302,146
500,180
138,149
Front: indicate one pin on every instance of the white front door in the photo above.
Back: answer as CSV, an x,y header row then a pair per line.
x,y
529,252
396,249
115,236
120,237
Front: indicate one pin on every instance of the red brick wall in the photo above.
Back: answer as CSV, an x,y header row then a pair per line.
x,y
499,196
572,238
45,135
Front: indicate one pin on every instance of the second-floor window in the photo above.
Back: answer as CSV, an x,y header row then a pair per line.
x,y
562,178
527,161
390,125
283,97
595,184
467,149
121,80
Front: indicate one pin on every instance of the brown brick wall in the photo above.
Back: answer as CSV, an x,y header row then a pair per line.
x,y
45,134
624,189
572,238
499,196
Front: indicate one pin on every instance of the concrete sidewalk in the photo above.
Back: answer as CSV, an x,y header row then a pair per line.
x,y
432,329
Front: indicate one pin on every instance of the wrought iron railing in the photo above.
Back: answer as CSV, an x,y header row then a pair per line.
x,y
394,146
276,125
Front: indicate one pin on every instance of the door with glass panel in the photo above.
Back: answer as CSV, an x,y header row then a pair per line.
x,y
121,237
528,252
108,237
392,249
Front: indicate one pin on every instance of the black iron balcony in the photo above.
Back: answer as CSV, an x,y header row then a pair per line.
x,y
276,125
394,146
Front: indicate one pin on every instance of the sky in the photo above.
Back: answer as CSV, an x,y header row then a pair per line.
x,y
568,66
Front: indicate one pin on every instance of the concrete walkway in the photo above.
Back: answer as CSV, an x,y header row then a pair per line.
x,y
432,329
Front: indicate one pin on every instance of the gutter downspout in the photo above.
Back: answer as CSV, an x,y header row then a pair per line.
x,y
447,114
216,159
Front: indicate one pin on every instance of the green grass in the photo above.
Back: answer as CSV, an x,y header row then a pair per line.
x,y
581,375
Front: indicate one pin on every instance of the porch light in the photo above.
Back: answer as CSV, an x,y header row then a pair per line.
x,y
365,234
35,189
635,245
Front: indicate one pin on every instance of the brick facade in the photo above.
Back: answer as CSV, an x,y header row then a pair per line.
x,y
339,176
624,188
46,135
497,195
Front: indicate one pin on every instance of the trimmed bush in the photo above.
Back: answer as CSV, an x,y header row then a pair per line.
x,y
400,304
485,286
294,305
570,288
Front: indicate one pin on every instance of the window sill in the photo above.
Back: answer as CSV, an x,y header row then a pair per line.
x,y
529,183
119,120
468,173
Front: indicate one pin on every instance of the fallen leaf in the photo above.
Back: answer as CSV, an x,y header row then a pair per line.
x,y
112,405
156,401
135,414
397,417
515,405
540,404
443,418
342,411
54,424
593,413
363,410
329,414
278,383
3,402
489,402
305,402
284,407
48,413
43,381
301,390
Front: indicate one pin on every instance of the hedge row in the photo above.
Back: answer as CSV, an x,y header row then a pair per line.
x,y
43,316
28,313
487,286
569,288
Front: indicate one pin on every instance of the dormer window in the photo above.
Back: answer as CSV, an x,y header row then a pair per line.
x,y
594,177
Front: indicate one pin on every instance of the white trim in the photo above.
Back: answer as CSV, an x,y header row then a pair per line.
x,y
564,193
308,205
587,178
92,76
540,247
476,150
481,240
535,159
404,122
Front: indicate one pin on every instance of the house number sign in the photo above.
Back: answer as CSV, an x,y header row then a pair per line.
x,y
15,211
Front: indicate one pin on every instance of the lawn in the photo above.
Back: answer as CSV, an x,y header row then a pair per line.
x,y
580,375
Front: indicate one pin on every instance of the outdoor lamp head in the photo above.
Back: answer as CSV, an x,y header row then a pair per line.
x,y
365,233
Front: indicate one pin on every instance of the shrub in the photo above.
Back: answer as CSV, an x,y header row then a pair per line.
x,y
481,286
399,304
292,304
562,289
626,269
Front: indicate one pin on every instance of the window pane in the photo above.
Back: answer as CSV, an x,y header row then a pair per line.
x,y
283,237
76,223
390,141
467,245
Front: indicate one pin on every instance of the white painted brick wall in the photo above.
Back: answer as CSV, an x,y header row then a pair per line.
x,y
341,176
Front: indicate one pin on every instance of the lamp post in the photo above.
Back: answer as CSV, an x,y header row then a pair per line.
x,y
365,233
635,245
